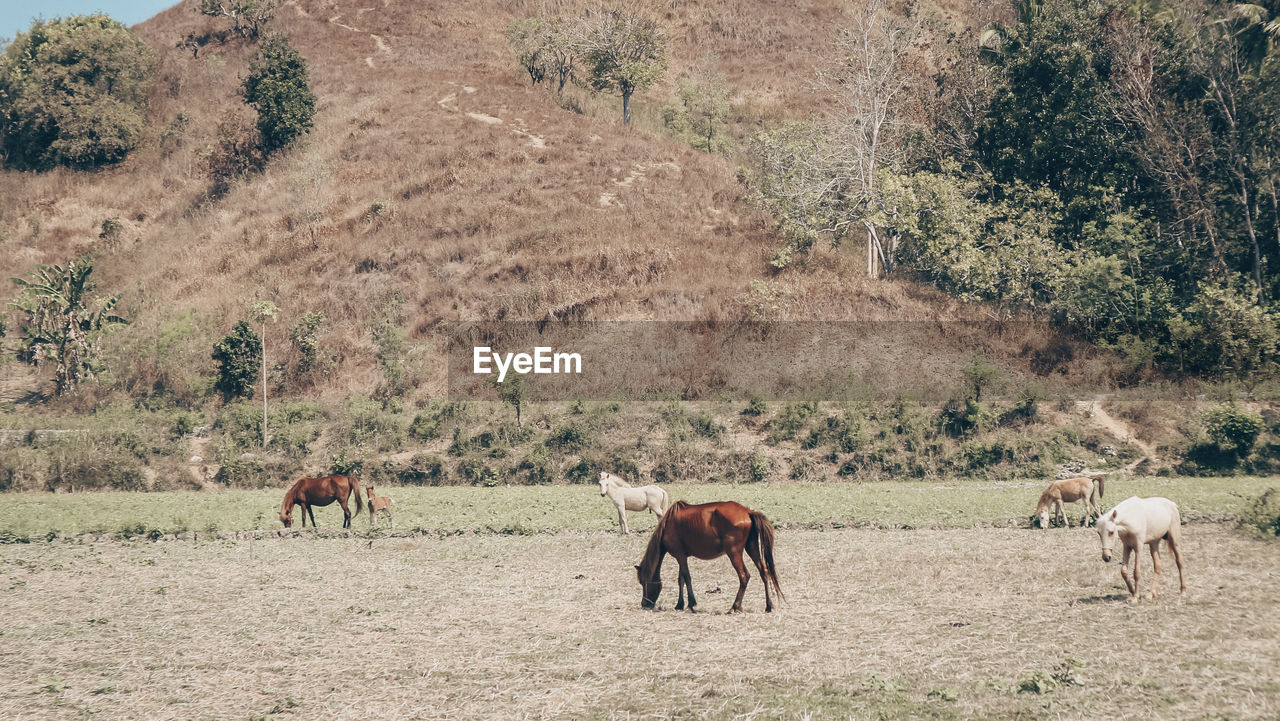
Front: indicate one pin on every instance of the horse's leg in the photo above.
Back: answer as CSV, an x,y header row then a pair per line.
x,y
1137,574
1124,572
754,552
1177,557
346,512
1155,561
622,519
1062,511
683,580
735,557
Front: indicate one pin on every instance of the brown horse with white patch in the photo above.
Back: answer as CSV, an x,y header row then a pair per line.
x,y
708,531
309,492
1070,491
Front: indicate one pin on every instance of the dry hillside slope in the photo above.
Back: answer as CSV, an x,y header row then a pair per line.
x,y
438,186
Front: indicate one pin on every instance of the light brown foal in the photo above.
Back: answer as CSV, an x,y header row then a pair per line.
x,y
379,504
1069,491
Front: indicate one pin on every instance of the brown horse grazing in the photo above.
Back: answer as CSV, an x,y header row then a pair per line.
x,y
707,531
310,492
1070,491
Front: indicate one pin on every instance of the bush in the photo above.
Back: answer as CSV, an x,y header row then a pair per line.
x,y
73,92
366,424
1262,514
277,87
759,467
961,418
705,425
238,356
247,471
236,153
756,406
790,421
1234,429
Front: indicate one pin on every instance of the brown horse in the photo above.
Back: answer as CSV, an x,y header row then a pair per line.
x,y
1070,491
310,492
379,504
707,531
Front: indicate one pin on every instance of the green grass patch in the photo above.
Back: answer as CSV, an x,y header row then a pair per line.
x,y
538,509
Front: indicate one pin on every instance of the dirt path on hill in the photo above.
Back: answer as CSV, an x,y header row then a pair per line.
x,y
1098,416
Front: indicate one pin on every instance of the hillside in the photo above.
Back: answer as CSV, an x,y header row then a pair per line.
x,y
438,187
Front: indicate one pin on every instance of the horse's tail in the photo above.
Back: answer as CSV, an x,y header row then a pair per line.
x,y
666,500
1100,479
762,537
355,488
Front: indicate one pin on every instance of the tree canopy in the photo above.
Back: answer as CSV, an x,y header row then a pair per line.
x,y
73,93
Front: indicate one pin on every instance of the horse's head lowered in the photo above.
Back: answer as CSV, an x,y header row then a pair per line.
x,y
1044,515
286,517
1107,531
650,586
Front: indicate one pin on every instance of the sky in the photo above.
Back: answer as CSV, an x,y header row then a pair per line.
x,y
16,15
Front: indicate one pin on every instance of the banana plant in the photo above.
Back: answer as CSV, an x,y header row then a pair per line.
x,y
60,324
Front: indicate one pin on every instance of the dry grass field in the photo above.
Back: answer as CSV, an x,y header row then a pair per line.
x,y
969,623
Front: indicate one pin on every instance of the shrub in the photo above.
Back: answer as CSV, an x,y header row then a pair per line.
x,y
756,406
790,421
238,356
366,424
759,467
277,87
1234,429
73,92
961,418
247,471
1262,514
705,425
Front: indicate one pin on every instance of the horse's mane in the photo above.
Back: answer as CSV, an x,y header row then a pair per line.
x,y
617,481
653,552
291,496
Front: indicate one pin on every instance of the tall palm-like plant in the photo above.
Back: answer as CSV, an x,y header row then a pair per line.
x,y
60,324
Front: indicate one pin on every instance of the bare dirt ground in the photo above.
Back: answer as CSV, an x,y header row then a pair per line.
x,y
890,624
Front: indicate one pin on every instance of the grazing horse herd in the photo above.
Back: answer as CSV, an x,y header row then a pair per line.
x,y
725,528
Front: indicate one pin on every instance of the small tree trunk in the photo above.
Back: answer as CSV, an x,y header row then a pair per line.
x,y
264,385
626,107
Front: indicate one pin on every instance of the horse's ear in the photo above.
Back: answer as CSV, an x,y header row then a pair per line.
x,y
1113,514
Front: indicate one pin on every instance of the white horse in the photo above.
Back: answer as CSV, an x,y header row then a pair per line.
x,y
1138,521
627,498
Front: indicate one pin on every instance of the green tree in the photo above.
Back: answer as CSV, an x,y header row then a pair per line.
x,y
306,341
701,107
60,324
247,17
511,392
73,92
1054,119
237,356
623,52
278,88
544,49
